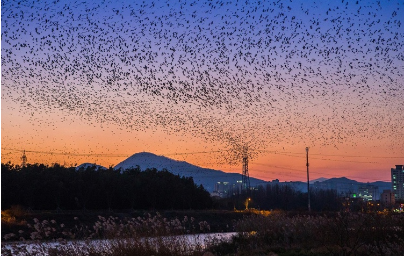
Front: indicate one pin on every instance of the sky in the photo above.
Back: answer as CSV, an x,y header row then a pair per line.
x,y
206,82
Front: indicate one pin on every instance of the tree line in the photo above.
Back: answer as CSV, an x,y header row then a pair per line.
x,y
43,187
281,197
56,187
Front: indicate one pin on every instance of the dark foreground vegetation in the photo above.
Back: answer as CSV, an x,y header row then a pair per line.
x,y
41,187
283,197
21,222
341,233
55,187
108,212
258,233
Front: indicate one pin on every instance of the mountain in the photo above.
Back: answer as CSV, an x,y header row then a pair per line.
x,y
86,165
319,180
344,185
382,185
343,180
207,177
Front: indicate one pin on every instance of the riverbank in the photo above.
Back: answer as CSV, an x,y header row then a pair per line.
x,y
258,233
78,224
191,244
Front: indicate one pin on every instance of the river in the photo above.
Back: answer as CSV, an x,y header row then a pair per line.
x,y
191,242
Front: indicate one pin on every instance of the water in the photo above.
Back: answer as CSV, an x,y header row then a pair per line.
x,y
191,242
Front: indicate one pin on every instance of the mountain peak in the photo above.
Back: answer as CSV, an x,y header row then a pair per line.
x,y
147,160
144,153
86,165
207,177
319,180
341,179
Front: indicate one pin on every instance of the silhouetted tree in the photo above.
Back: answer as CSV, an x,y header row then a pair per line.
x,y
57,187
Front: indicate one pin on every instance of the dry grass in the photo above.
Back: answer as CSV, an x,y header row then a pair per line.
x,y
147,235
276,233
338,234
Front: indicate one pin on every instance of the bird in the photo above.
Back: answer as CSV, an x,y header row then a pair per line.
x,y
236,74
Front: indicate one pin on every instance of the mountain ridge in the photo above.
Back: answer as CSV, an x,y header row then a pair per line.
x,y
205,176
209,177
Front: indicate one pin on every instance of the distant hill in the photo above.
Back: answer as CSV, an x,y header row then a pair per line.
x,y
86,165
345,185
319,180
382,185
342,185
204,176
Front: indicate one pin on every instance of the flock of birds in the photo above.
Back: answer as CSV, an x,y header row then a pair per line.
x,y
237,73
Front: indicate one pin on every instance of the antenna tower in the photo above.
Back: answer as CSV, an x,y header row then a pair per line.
x,y
245,175
24,159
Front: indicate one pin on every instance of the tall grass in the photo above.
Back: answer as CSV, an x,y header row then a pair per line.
x,y
275,233
338,234
147,235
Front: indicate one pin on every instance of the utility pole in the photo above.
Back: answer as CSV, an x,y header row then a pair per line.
x,y
308,184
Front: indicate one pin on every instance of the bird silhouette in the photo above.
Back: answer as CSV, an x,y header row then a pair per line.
x,y
240,73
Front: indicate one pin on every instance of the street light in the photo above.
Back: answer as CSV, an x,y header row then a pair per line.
x,y
246,203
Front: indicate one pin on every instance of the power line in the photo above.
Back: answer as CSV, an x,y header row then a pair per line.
x,y
287,153
65,153
360,156
286,168
279,167
202,152
284,153
108,155
288,174
349,161
198,152
302,171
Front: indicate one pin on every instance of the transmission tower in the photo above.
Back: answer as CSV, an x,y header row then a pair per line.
x,y
24,159
245,176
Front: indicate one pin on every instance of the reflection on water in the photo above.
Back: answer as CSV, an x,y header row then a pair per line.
x,y
41,248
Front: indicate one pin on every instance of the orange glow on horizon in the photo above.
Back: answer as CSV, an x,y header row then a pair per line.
x,y
108,146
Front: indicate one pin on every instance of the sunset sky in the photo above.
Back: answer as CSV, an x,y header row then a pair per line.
x,y
198,81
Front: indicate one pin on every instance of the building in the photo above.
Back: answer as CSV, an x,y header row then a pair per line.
x,y
387,198
397,182
222,188
236,187
225,189
368,192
